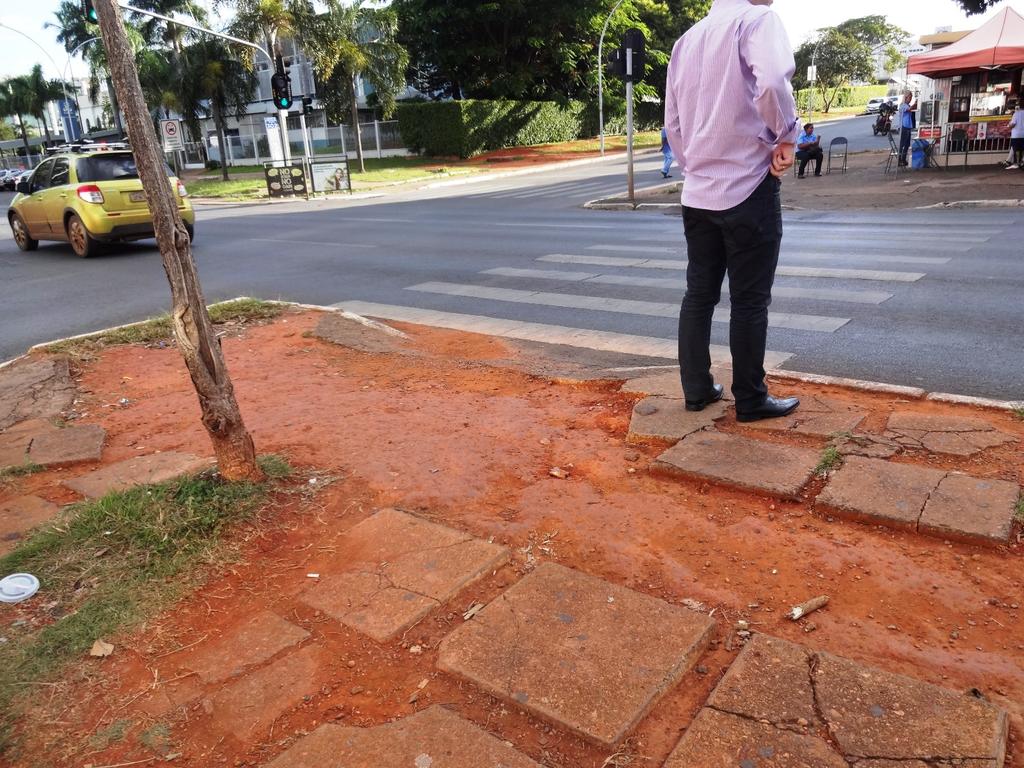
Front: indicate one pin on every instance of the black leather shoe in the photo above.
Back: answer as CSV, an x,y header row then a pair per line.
x,y
771,408
717,393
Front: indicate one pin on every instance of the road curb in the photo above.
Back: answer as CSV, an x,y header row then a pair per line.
x,y
974,204
861,385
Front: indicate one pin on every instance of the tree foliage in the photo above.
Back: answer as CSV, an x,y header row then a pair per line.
x,y
840,59
972,7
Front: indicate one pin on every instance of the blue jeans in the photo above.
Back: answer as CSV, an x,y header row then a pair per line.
x,y
666,167
905,135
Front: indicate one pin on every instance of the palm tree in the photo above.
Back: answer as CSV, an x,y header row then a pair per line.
x,y
356,42
267,21
219,85
17,102
41,92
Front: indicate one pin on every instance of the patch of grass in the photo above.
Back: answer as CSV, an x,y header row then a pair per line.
x,y
108,563
1020,510
114,732
1019,413
8,474
159,329
235,189
831,459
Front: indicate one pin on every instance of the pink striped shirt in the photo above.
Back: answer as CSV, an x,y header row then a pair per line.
x,y
729,102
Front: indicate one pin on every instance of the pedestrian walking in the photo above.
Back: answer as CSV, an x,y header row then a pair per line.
x,y
732,124
666,150
907,114
1017,139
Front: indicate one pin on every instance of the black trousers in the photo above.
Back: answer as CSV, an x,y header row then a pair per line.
x,y
905,135
806,155
744,242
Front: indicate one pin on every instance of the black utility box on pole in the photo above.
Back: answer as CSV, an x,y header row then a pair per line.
x,y
634,58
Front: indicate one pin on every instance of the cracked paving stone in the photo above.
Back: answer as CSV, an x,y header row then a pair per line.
x,y
71,445
35,389
433,738
16,440
668,384
867,446
862,717
246,707
19,516
719,740
666,419
394,568
878,491
141,470
953,435
743,462
816,416
256,641
587,655
972,508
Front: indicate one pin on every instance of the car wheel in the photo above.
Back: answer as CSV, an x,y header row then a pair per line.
x,y
22,237
191,233
82,243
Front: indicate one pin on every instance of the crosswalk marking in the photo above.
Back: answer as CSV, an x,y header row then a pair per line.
x,y
634,248
668,283
783,271
795,252
817,323
606,341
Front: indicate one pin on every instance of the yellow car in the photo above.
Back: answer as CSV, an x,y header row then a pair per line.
x,y
87,197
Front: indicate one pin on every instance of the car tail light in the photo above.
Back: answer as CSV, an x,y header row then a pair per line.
x,y
182,192
90,193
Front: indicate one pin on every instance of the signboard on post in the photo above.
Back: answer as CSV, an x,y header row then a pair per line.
x,y
812,74
287,181
330,175
170,132
274,138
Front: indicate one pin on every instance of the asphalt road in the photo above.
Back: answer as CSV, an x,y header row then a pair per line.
x,y
856,130
925,298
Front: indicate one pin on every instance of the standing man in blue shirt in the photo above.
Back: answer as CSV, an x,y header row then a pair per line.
x,y
808,147
907,110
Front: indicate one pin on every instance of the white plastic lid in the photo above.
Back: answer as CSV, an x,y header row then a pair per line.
x,y
18,587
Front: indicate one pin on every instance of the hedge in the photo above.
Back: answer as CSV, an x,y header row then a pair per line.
x,y
468,128
850,96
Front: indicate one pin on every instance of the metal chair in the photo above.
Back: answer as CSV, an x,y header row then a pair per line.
x,y
893,160
836,142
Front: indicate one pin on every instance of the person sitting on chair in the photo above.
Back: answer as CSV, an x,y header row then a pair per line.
x,y
809,148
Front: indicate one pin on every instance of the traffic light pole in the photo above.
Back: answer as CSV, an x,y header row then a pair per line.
x,y
629,126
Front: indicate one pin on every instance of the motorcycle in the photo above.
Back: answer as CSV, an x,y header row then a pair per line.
x,y
883,123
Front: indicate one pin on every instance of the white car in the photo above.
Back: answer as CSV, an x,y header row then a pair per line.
x,y
875,104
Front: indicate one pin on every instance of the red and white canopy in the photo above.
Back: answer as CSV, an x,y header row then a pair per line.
x,y
998,42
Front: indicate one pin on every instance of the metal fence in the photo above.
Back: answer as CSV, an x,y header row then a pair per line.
x,y
378,139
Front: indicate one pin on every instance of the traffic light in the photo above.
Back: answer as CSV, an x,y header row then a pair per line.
x,y
282,90
89,11
307,105
617,63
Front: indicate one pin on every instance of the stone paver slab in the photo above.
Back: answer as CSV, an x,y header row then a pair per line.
x,y
433,738
743,462
970,507
246,707
16,440
879,491
661,418
368,336
669,385
816,416
953,435
877,714
68,446
35,389
861,716
20,515
868,446
719,740
258,640
588,655
141,470
394,568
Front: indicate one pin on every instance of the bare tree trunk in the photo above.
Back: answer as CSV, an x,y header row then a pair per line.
x,y
46,128
24,139
236,455
218,120
355,125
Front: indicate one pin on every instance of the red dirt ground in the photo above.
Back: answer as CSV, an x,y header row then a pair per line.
x,y
446,434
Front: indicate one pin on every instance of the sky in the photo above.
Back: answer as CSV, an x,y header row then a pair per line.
x,y
919,17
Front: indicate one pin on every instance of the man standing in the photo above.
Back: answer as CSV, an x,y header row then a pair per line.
x,y
907,110
732,124
666,151
809,148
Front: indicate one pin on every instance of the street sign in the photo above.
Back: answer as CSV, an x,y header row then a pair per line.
x,y
170,132
812,74
273,128
330,175
285,182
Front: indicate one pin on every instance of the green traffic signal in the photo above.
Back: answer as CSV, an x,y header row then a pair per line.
x,y
90,11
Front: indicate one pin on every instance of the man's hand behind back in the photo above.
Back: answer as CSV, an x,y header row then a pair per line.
x,y
782,159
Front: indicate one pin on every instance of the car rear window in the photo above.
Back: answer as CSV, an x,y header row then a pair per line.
x,y
112,166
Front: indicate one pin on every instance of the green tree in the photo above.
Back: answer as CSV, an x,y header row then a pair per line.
x,y
41,92
973,7
16,98
873,31
840,60
356,42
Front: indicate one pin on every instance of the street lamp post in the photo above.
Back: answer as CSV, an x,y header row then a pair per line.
x,y
600,72
70,72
